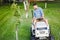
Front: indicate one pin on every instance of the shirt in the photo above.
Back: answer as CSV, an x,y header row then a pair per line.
x,y
38,13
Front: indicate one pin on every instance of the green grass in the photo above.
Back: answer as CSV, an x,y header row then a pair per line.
x,y
8,22
53,16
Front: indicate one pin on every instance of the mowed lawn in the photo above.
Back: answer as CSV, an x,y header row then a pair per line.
x,y
8,22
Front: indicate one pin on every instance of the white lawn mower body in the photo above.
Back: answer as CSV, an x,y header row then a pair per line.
x,y
41,30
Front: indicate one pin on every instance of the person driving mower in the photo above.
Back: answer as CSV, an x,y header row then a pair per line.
x,y
38,14
40,29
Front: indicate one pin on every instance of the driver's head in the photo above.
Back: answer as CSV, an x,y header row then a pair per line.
x,y
35,6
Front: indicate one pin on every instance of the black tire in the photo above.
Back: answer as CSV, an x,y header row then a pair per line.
x,y
32,38
51,37
31,31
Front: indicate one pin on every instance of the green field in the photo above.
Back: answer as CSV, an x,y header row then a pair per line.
x,y
8,22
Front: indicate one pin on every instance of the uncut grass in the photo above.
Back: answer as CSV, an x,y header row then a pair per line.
x,y
53,16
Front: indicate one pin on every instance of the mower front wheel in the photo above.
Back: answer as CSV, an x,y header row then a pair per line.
x,y
32,38
51,38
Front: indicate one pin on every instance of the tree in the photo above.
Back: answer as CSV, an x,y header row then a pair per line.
x,y
26,7
46,3
1,1
16,12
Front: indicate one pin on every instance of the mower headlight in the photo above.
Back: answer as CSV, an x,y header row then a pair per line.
x,y
45,28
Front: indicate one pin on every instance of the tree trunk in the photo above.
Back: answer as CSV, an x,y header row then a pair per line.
x,y
1,1
26,7
45,4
